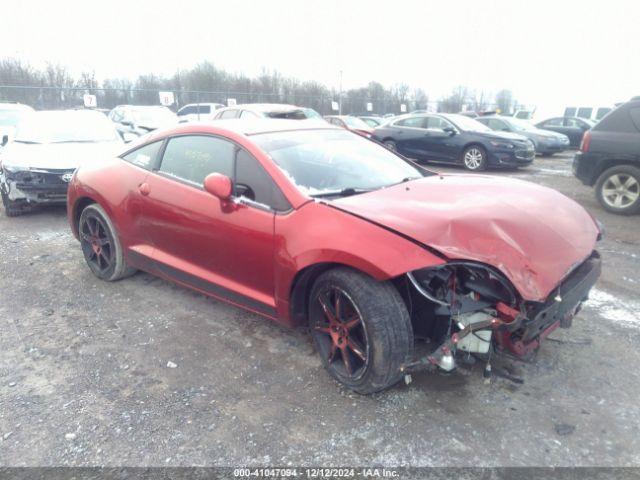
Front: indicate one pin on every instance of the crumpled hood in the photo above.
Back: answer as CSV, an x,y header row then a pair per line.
x,y
533,234
57,155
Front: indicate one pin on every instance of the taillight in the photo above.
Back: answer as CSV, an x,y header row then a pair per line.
x,y
586,141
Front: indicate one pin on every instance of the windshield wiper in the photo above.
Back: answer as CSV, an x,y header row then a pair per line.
x,y
76,141
28,142
345,192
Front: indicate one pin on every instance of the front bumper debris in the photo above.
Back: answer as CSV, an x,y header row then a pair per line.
x,y
36,185
515,332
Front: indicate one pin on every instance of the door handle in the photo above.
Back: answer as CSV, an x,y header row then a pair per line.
x,y
144,189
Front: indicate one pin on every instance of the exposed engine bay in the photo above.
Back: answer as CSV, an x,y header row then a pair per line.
x,y
471,308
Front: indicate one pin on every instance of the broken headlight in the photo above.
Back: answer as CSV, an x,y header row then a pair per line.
x,y
463,283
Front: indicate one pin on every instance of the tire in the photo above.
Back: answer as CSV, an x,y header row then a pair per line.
x,y
101,246
618,190
474,158
391,145
365,346
11,207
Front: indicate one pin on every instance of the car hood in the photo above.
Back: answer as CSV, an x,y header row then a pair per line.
x,y
504,136
550,134
533,234
56,156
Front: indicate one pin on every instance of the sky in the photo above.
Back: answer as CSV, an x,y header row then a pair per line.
x,y
549,53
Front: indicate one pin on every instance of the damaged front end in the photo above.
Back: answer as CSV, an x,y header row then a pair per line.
x,y
471,308
25,186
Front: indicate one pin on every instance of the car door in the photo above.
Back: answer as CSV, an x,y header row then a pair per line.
x,y
137,165
221,248
409,135
574,128
554,124
438,144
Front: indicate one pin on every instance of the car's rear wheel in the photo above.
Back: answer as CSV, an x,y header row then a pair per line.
x,y
618,189
391,145
474,158
11,207
361,329
101,246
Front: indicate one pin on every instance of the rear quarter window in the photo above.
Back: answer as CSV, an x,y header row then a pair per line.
x,y
635,117
145,156
619,120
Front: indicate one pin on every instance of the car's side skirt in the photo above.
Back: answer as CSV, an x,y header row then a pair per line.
x,y
205,287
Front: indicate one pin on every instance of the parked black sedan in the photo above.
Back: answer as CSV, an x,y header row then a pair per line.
x,y
572,127
453,138
544,142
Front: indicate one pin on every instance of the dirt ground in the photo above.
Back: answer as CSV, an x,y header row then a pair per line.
x,y
85,377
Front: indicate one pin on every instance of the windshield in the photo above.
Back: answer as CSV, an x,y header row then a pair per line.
x,y
151,117
10,118
324,161
355,122
521,125
62,127
288,114
468,124
311,113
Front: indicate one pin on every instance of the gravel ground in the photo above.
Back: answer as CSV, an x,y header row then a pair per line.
x,y
145,373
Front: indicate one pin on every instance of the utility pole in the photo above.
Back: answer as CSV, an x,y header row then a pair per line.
x,y
340,96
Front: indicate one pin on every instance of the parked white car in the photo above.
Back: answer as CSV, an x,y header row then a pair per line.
x,y
10,115
36,167
198,112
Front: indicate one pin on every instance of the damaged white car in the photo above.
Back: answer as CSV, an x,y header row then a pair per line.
x,y
36,167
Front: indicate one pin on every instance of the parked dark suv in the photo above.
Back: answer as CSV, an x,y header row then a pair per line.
x,y
609,158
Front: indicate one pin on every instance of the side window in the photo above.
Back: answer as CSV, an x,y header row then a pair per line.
x,y
635,117
437,123
554,122
187,110
254,183
248,114
619,120
203,109
229,114
415,122
192,158
145,156
572,122
116,115
499,125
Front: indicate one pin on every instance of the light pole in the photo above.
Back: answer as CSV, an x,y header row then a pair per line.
x,y
340,96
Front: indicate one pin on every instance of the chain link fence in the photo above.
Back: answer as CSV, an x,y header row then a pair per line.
x,y
56,98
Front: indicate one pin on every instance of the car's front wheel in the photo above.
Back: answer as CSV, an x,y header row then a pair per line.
x,y
391,145
101,246
11,207
361,329
474,158
618,189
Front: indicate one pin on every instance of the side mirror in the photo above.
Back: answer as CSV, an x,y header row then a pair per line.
x,y
5,140
129,137
219,186
450,130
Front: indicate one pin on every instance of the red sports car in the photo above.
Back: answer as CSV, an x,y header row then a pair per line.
x,y
306,223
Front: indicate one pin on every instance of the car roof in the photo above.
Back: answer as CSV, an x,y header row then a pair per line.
x,y
15,106
201,103
244,127
266,107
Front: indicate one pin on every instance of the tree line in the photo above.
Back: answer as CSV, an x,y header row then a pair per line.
x,y
54,87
